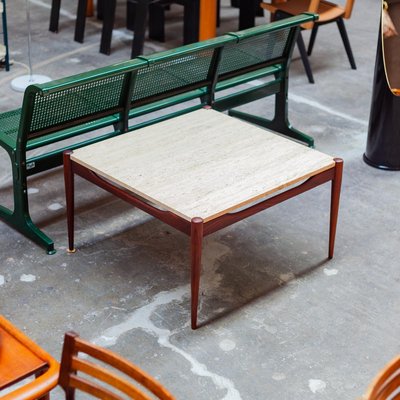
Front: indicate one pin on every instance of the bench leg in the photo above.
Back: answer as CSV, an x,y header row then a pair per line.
x,y
277,124
70,198
196,240
335,196
54,15
19,218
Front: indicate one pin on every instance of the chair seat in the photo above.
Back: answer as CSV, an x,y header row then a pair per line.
x,y
17,361
20,358
327,11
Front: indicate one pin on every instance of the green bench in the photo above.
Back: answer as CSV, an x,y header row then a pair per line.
x,y
211,73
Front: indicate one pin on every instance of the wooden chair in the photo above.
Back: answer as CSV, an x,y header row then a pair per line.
x,y
328,12
387,384
95,376
21,358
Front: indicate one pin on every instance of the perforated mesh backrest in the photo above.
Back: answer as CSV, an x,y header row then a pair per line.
x,y
73,104
176,74
77,99
253,51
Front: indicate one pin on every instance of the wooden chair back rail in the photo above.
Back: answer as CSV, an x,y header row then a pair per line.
x,y
20,350
386,384
112,97
71,365
99,392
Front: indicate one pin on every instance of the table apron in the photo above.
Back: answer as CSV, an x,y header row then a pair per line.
x,y
214,225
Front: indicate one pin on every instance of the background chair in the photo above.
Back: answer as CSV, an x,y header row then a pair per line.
x,y
156,10
21,358
328,12
96,376
387,384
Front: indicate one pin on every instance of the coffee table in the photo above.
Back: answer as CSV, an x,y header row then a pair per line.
x,y
201,172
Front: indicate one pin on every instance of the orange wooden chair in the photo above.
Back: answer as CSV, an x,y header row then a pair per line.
x,y
328,12
99,381
20,358
387,384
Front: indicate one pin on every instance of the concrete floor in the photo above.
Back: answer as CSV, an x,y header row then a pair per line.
x,y
281,321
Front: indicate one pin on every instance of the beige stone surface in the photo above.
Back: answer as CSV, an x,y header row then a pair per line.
x,y
203,164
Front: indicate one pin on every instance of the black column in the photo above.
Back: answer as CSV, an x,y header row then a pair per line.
x,y
383,143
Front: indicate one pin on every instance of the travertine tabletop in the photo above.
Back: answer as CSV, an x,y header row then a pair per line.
x,y
202,164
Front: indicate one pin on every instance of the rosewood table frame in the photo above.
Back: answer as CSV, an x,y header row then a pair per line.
x,y
197,229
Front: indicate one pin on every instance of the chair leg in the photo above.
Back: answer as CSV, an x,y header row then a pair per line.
x,y
218,13
108,25
99,9
304,57
54,15
157,22
346,42
130,15
191,21
312,39
140,28
80,21
196,240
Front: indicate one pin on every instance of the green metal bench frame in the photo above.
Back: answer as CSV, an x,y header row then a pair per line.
x,y
211,73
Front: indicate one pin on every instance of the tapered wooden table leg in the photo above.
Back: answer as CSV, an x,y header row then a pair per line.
x,y
69,195
335,196
196,240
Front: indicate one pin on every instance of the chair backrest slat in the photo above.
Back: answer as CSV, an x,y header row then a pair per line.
x,y
104,375
387,384
83,385
71,365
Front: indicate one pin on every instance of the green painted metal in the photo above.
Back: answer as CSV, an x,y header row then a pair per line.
x,y
5,34
223,73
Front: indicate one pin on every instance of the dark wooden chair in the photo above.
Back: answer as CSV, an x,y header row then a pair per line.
x,y
100,381
328,12
387,383
191,15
